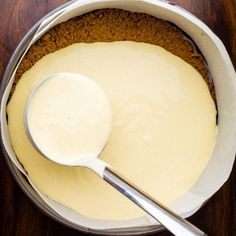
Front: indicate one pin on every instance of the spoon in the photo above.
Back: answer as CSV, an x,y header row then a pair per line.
x,y
67,106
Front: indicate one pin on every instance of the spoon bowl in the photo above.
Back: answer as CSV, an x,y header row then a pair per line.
x,y
68,119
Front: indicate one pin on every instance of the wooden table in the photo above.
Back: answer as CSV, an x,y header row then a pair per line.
x,y
18,216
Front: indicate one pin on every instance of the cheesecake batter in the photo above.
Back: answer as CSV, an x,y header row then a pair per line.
x,y
163,131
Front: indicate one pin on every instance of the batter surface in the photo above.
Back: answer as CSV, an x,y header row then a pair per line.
x,y
164,126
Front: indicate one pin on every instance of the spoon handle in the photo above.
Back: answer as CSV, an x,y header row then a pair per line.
x,y
173,222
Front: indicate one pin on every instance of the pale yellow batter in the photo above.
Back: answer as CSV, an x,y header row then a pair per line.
x,y
164,126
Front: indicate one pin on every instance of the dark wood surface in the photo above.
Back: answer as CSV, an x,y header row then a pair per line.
x,y
18,216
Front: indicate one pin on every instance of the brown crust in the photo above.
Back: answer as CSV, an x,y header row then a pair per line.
x,y
107,25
